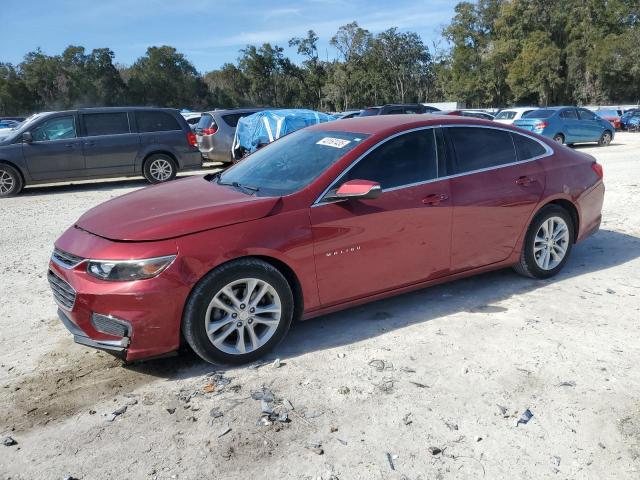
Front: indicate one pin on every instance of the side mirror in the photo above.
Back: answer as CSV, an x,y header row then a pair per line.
x,y
357,189
27,137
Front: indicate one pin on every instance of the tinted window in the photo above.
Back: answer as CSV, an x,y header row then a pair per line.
x,y
232,118
527,147
156,122
415,109
395,111
105,123
55,129
571,114
403,160
478,148
586,115
608,113
369,111
291,162
540,113
506,115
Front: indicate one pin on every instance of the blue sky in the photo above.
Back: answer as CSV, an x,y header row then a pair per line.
x,y
208,32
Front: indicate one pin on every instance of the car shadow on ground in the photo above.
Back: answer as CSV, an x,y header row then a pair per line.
x,y
480,293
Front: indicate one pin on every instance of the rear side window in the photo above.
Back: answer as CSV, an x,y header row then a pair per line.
x,y
505,115
367,112
105,123
156,122
478,148
233,118
395,111
570,114
527,148
403,160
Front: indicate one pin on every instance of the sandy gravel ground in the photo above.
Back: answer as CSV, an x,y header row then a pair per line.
x,y
368,391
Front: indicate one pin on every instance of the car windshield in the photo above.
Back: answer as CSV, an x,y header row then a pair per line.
x,y
540,113
290,163
506,115
607,113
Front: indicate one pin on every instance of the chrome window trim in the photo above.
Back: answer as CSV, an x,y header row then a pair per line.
x,y
548,152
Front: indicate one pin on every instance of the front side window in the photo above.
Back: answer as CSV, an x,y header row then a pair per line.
x,y
569,114
586,115
58,128
156,122
527,148
477,148
403,160
96,124
291,162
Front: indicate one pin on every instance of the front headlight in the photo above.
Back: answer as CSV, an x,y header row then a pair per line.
x,y
126,270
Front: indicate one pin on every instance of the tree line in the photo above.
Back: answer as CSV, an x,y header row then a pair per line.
x,y
492,53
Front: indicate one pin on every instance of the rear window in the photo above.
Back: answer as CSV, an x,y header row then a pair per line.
x,y
205,121
367,112
506,115
156,122
105,123
540,113
527,148
478,148
607,113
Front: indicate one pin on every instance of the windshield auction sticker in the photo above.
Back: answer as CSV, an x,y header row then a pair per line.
x,y
333,142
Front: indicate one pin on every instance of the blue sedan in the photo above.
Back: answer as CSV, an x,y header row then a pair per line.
x,y
568,125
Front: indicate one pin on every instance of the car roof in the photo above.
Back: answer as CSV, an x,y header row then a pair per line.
x,y
235,110
518,109
381,124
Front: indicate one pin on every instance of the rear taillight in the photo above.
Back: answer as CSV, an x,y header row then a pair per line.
x,y
541,125
596,167
191,139
210,131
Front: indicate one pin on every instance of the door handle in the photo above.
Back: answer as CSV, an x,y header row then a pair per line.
x,y
89,144
434,199
69,145
525,181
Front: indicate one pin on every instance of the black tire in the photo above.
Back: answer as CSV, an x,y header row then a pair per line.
x,y
193,319
527,266
152,171
605,139
558,138
11,183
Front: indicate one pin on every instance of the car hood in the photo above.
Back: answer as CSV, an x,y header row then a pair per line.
x,y
173,209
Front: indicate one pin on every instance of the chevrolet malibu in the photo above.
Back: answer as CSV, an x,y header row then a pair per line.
x,y
325,218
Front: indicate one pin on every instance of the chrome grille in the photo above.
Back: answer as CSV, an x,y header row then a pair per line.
x,y
64,259
63,293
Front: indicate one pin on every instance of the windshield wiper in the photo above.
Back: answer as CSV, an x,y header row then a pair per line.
x,y
238,185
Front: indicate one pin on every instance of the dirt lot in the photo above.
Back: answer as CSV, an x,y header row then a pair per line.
x,y
372,388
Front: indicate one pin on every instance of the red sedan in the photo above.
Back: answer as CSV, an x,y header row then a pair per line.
x,y
326,218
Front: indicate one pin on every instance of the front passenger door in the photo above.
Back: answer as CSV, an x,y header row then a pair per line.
x,y
55,152
590,127
362,247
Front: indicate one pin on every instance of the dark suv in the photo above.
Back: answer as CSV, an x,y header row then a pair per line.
x,y
397,109
95,143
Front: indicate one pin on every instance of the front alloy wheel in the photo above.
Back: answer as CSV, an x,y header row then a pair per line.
x,y
238,312
605,139
10,181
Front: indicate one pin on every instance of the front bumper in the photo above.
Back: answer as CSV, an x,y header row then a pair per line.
x,y
115,347
149,312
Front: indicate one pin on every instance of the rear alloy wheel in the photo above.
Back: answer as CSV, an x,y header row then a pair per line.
x,y
159,168
559,138
10,181
547,244
238,312
605,139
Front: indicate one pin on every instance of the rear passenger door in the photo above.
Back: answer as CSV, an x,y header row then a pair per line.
x,y
109,145
494,188
160,130
571,125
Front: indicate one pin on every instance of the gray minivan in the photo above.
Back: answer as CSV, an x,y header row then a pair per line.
x,y
96,143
